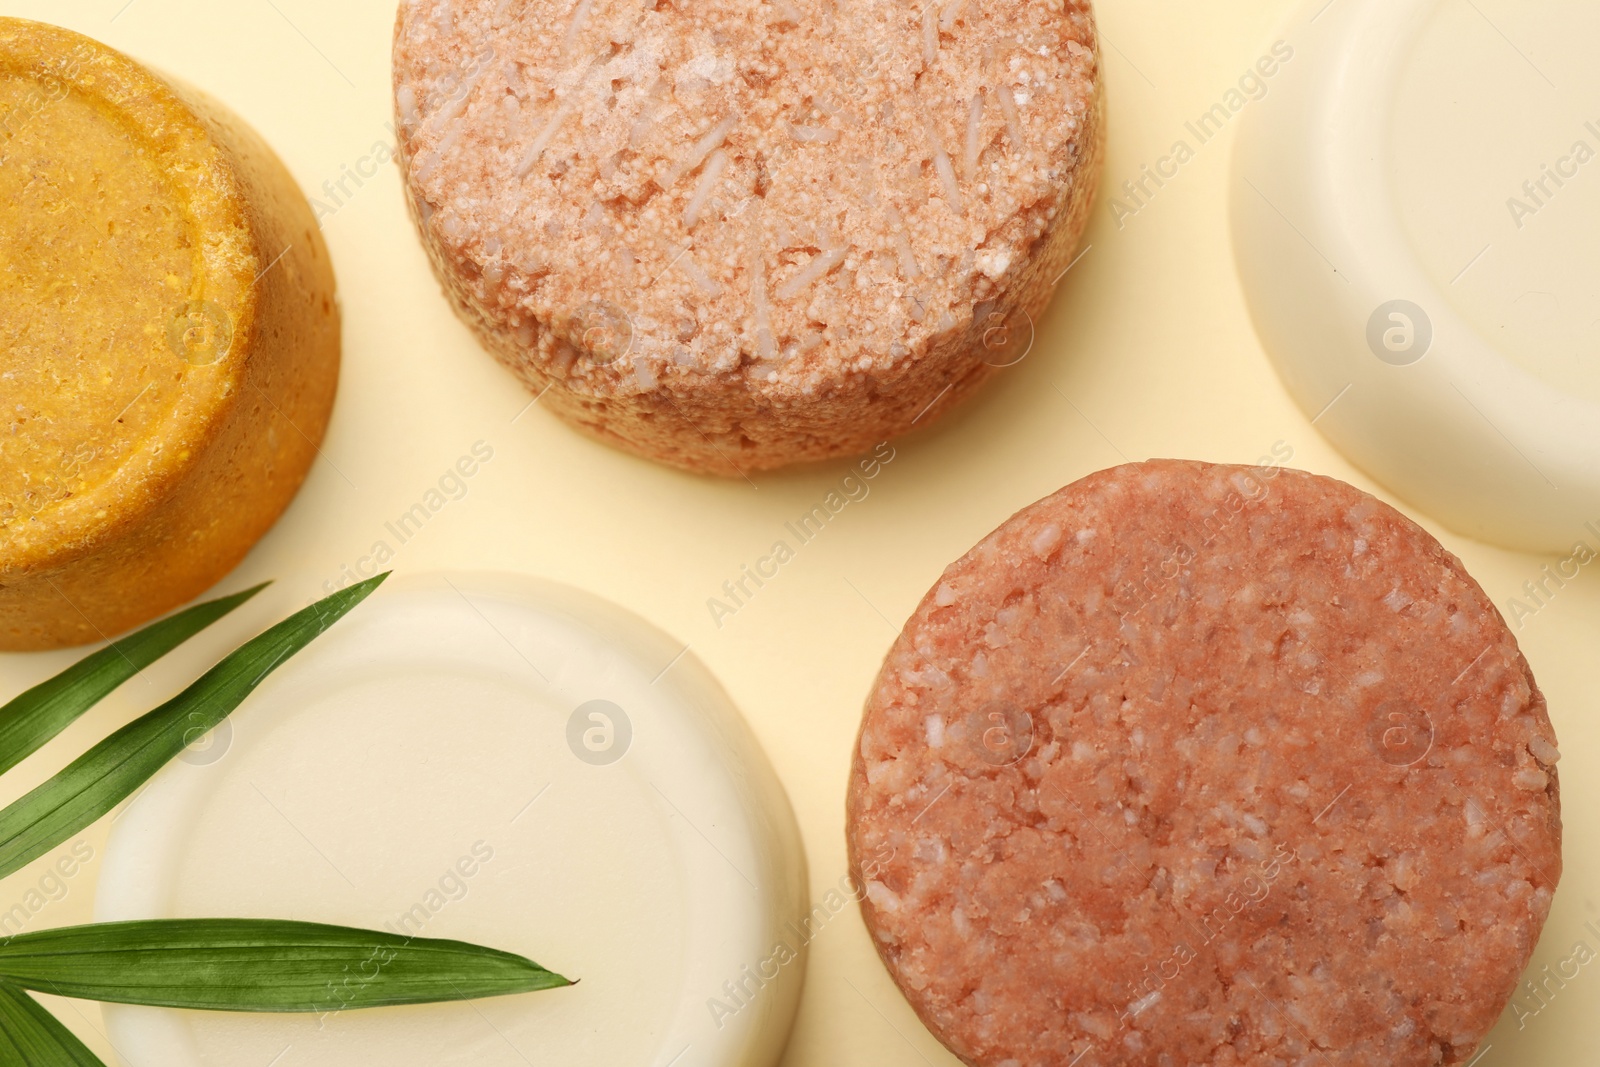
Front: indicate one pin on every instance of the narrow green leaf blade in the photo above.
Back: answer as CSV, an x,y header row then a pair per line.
x,y
103,777
260,965
36,716
31,1037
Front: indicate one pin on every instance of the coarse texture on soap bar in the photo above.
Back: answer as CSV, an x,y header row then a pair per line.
x,y
169,339
1193,763
732,235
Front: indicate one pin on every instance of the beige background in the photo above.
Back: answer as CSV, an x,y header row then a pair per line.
x,y
1147,351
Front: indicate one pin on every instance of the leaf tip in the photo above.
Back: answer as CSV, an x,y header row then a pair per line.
x,y
544,978
367,587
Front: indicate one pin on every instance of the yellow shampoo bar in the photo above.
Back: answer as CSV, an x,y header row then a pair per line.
x,y
169,339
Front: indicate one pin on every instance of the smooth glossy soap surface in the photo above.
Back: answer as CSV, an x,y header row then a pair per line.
x,y
515,765
1415,208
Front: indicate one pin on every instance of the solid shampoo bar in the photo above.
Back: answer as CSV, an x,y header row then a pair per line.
x,y
169,341
1191,763
730,235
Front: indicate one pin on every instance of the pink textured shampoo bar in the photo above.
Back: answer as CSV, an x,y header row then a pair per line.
x,y
1200,764
730,234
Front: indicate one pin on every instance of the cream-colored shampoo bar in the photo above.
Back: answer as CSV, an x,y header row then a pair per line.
x,y
503,762
1414,214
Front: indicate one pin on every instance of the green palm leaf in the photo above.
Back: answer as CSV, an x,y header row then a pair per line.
x,y
36,716
108,773
31,1037
260,965
263,965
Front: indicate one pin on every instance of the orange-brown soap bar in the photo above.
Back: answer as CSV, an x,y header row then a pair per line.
x,y
169,339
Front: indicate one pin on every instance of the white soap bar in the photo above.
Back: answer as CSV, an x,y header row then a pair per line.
x,y
1414,209
498,761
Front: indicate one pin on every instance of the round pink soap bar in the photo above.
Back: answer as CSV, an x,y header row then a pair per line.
x,y
731,235
1192,763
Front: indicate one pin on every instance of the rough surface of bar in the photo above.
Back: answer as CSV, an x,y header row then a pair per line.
x,y
1192,763
169,340
733,235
